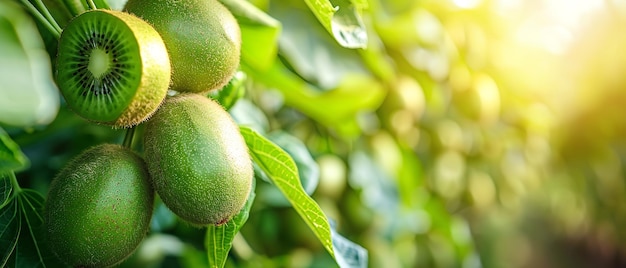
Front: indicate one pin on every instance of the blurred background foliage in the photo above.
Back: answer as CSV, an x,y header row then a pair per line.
x,y
468,133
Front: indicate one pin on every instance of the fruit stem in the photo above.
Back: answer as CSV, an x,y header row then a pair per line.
x,y
128,138
54,29
74,6
46,13
91,4
16,186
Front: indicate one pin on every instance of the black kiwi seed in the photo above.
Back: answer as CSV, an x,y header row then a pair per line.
x,y
112,68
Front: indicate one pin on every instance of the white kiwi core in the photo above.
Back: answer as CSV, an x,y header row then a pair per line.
x,y
99,62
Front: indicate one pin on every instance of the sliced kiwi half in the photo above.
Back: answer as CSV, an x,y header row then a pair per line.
x,y
112,68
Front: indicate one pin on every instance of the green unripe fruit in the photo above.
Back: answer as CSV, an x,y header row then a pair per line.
x,y
99,207
198,160
202,37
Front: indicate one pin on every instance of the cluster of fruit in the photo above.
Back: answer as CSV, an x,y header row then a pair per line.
x,y
116,68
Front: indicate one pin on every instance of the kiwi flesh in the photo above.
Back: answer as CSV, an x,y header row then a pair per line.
x,y
99,207
202,36
112,68
198,161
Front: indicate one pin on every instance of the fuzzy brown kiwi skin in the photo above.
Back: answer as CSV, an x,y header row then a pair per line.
x,y
198,160
155,76
99,207
203,39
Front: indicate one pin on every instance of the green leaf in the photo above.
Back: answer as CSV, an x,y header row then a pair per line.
x,y
29,251
323,11
342,21
347,253
28,95
313,54
281,169
259,45
219,239
11,157
10,226
308,169
244,112
22,232
5,189
259,33
228,95
356,93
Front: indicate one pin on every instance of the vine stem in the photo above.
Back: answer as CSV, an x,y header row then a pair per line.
x,y
16,185
74,6
91,4
128,138
48,16
35,12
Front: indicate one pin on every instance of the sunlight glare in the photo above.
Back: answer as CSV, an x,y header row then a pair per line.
x,y
467,4
553,25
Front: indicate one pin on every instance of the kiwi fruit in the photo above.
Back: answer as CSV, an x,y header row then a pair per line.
x,y
112,67
99,207
202,36
198,160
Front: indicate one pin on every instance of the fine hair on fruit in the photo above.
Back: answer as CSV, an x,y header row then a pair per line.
x,y
99,207
203,39
198,160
